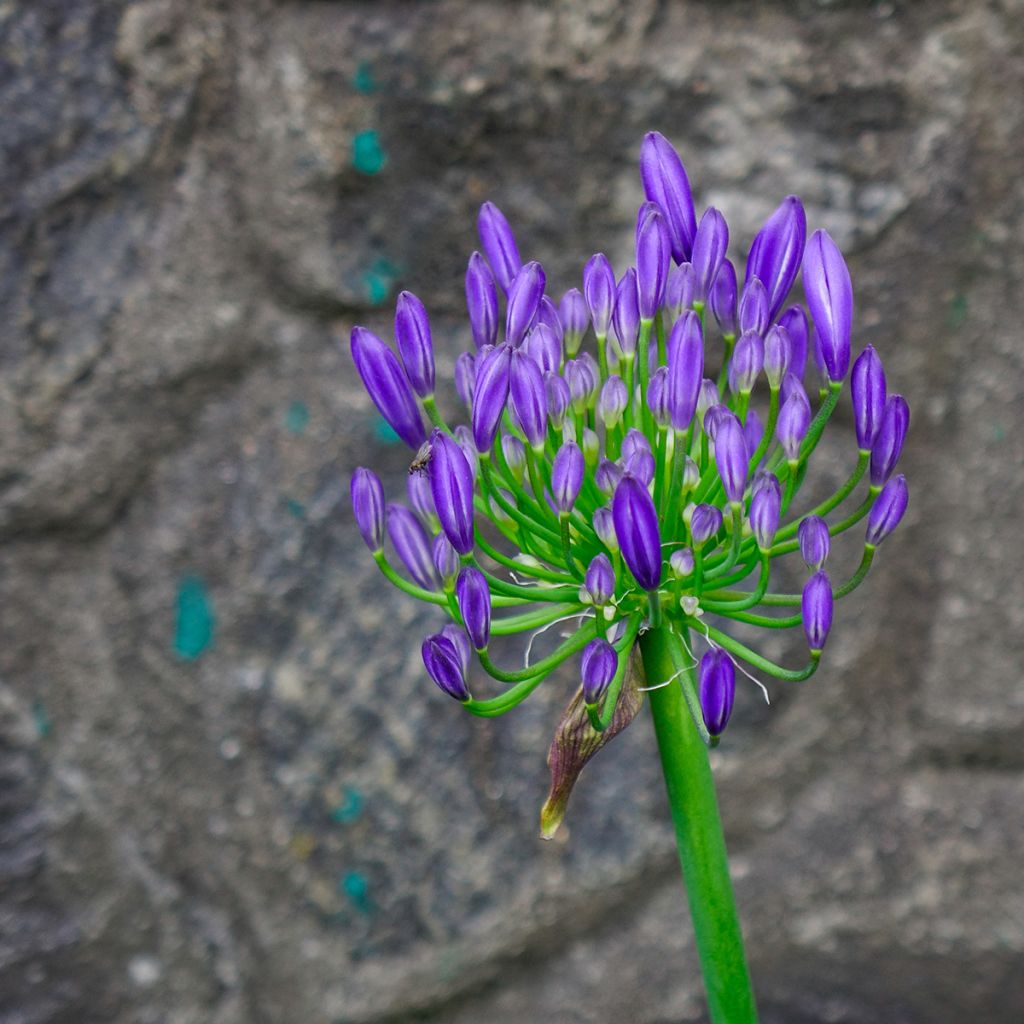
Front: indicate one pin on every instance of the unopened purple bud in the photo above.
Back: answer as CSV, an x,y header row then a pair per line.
x,y
777,250
368,506
524,295
867,389
731,458
717,675
815,541
665,183
709,247
691,474
746,363
723,298
600,580
464,438
753,432
413,545
680,291
685,369
493,373
529,399
474,597
636,527
794,321
790,383
604,527
705,522
415,345
417,486
793,424
547,314
626,317
597,669
607,476
456,636
515,455
634,441
591,445
559,398
582,381
887,511
888,444
657,396
499,244
776,356
816,605
575,318
653,258
830,299
481,301
444,665
611,403
754,307
641,465
544,348
388,386
567,476
765,480
765,509
707,398
681,563
465,377
599,291
446,560
451,483
713,417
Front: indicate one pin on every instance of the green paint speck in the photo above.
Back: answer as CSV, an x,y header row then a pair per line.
x,y
385,433
356,888
295,508
363,79
350,807
41,720
957,310
296,419
378,280
368,156
998,432
194,628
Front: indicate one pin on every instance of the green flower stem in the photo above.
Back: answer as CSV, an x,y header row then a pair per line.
x,y
769,431
701,844
575,643
837,499
558,595
726,602
430,407
659,331
753,658
537,572
507,701
525,520
531,620
684,666
601,721
563,525
602,356
643,372
836,528
536,480
723,374
627,368
784,600
433,596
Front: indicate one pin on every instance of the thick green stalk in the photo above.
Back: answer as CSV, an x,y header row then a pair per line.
x,y
702,854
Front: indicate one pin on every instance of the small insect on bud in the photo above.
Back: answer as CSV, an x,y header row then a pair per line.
x,y
597,669
717,686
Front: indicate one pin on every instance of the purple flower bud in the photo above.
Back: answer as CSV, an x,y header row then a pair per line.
x,y
754,307
640,464
417,486
451,483
819,358
816,605
515,455
888,445
465,377
665,183
867,388
707,398
777,250
717,675
685,369
547,314
499,244
746,363
529,399
709,247
611,403
600,580
368,506
524,295
636,527
415,345
567,476
776,356
815,542
544,348
582,383
765,509
443,663
753,432
493,373
456,636
713,417
765,480
388,386
794,322
597,669
681,563
481,301
575,319
464,439
705,522
626,317
790,383
793,423
830,299
474,597
887,511
446,560
413,545
723,298
607,476
599,291
591,445
653,257
680,291
731,458
657,397
559,398
691,474
604,527
634,441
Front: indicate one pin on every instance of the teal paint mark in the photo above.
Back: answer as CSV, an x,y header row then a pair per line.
x,y
296,419
384,432
957,311
350,807
379,280
368,156
41,720
355,887
998,432
193,632
295,508
363,79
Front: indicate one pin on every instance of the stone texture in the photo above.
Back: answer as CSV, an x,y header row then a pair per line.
x,y
288,823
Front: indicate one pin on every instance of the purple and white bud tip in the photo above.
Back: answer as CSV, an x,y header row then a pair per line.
x,y
816,606
597,669
887,511
368,505
474,598
444,664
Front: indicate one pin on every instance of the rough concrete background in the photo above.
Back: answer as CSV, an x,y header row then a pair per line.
x,y
228,793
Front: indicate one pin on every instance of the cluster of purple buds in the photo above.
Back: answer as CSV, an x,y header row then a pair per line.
x,y
631,454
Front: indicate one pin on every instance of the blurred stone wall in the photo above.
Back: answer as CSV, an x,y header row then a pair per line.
x,y
228,793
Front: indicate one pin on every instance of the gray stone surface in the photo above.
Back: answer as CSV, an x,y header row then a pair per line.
x,y
287,823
